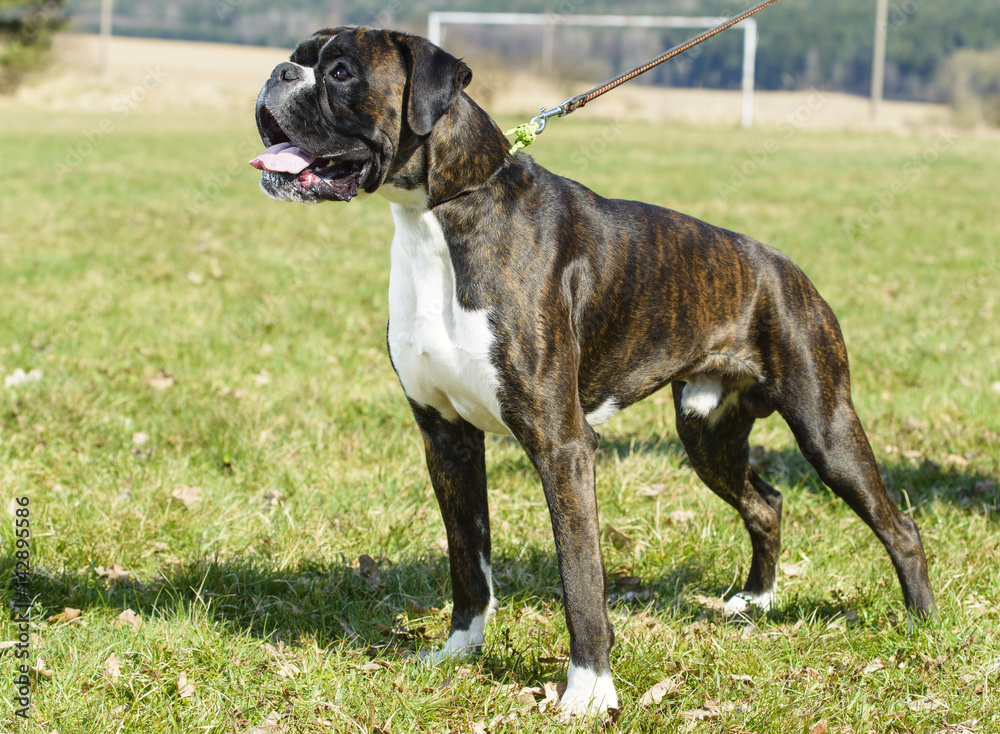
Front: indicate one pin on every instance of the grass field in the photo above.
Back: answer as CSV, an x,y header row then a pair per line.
x,y
217,437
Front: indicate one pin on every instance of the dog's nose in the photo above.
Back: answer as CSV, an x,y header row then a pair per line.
x,y
286,72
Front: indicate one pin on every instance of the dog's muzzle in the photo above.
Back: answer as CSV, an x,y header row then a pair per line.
x,y
290,173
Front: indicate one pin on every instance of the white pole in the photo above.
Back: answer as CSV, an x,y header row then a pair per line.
x,y
434,28
106,12
437,19
878,56
548,44
749,62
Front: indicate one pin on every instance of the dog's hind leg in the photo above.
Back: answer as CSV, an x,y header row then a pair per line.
x,y
716,438
832,439
455,454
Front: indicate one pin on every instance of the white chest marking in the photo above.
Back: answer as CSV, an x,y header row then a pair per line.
x,y
441,351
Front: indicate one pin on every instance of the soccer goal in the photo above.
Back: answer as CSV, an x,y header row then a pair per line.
x,y
550,21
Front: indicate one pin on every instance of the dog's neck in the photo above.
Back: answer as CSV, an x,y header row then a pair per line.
x,y
447,164
465,151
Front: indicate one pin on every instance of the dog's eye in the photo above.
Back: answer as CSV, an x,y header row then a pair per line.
x,y
340,74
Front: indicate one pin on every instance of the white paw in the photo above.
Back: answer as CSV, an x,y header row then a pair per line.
x,y
587,693
742,601
462,643
459,645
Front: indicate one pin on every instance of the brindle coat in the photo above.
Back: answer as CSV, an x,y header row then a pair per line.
x,y
590,300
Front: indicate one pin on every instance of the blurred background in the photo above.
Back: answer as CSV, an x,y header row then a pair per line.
x,y
941,59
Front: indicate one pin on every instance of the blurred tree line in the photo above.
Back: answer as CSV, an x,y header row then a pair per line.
x,y
25,33
932,44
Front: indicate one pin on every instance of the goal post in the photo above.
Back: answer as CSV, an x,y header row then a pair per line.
x,y
436,21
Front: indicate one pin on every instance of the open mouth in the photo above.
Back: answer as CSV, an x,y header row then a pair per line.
x,y
335,177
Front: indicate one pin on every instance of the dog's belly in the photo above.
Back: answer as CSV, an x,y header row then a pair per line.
x,y
440,350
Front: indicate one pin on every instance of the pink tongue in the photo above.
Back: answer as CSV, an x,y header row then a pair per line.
x,y
282,158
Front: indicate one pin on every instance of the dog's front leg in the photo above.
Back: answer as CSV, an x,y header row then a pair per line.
x,y
455,453
565,461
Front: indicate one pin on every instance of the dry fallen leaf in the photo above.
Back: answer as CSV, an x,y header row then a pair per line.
x,y
653,490
553,693
270,725
618,539
969,726
656,693
793,569
66,616
368,571
528,694
288,670
628,583
40,670
112,667
709,711
140,438
113,574
507,718
874,665
820,727
712,603
272,498
926,703
375,665
162,380
187,496
479,727
128,618
681,517
185,689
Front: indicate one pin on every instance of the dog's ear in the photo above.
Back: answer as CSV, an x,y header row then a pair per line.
x,y
436,79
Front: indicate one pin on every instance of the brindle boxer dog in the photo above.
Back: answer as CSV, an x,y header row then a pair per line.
x,y
522,303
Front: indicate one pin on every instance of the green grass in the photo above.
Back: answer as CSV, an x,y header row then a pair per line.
x,y
157,255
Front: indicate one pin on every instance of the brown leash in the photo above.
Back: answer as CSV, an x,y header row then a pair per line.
x,y
525,134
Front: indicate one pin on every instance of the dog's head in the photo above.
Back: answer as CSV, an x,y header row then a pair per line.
x,y
348,103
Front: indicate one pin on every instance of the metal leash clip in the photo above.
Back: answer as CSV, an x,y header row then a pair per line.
x,y
558,111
